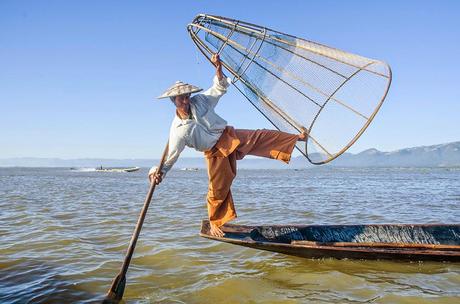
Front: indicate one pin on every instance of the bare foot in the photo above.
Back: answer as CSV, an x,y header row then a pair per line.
x,y
304,135
216,231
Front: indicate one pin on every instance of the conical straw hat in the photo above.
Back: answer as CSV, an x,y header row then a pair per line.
x,y
180,88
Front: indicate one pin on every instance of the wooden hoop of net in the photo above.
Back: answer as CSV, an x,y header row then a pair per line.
x,y
298,84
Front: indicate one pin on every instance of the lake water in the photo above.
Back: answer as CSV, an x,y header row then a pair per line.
x,y
64,234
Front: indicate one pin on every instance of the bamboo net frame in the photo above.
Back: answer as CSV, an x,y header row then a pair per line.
x,y
298,84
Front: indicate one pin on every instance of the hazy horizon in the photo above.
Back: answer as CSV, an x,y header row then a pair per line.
x,y
295,154
442,155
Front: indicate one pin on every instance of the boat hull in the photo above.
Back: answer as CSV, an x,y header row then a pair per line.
x,y
119,170
381,242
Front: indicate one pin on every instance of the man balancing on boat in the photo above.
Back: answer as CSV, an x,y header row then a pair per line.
x,y
197,126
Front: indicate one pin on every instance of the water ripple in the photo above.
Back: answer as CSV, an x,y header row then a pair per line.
x,y
64,235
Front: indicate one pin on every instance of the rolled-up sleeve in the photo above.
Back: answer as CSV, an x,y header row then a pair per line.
x,y
219,88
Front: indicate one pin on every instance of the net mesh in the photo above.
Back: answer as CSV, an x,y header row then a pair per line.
x,y
298,84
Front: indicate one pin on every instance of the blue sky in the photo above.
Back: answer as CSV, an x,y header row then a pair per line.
x,y
78,78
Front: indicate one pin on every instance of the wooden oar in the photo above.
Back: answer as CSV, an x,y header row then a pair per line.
x,y
115,293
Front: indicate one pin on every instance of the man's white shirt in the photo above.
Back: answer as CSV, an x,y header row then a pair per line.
x,y
202,129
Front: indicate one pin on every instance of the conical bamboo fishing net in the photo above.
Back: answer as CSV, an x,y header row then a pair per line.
x,y
298,84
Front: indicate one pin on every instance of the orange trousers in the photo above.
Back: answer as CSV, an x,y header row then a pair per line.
x,y
234,145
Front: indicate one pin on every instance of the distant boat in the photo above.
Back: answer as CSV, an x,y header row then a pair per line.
x,y
430,242
189,169
132,169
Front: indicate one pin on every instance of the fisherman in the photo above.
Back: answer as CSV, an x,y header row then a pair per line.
x,y
196,125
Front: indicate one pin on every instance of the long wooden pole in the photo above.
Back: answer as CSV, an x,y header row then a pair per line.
x,y
115,293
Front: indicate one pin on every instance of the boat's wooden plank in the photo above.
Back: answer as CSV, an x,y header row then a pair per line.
x,y
293,240
379,245
436,234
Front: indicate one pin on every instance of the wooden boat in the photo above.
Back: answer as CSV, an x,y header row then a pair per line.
x,y
189,169
133,169
431,242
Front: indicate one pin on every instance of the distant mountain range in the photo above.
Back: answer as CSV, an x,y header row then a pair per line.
x,y
444,155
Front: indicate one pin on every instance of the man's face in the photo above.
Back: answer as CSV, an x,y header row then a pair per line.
x,y
182,101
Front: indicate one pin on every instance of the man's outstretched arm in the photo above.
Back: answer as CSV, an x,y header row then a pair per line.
x,y
215,59
219,86
176,146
